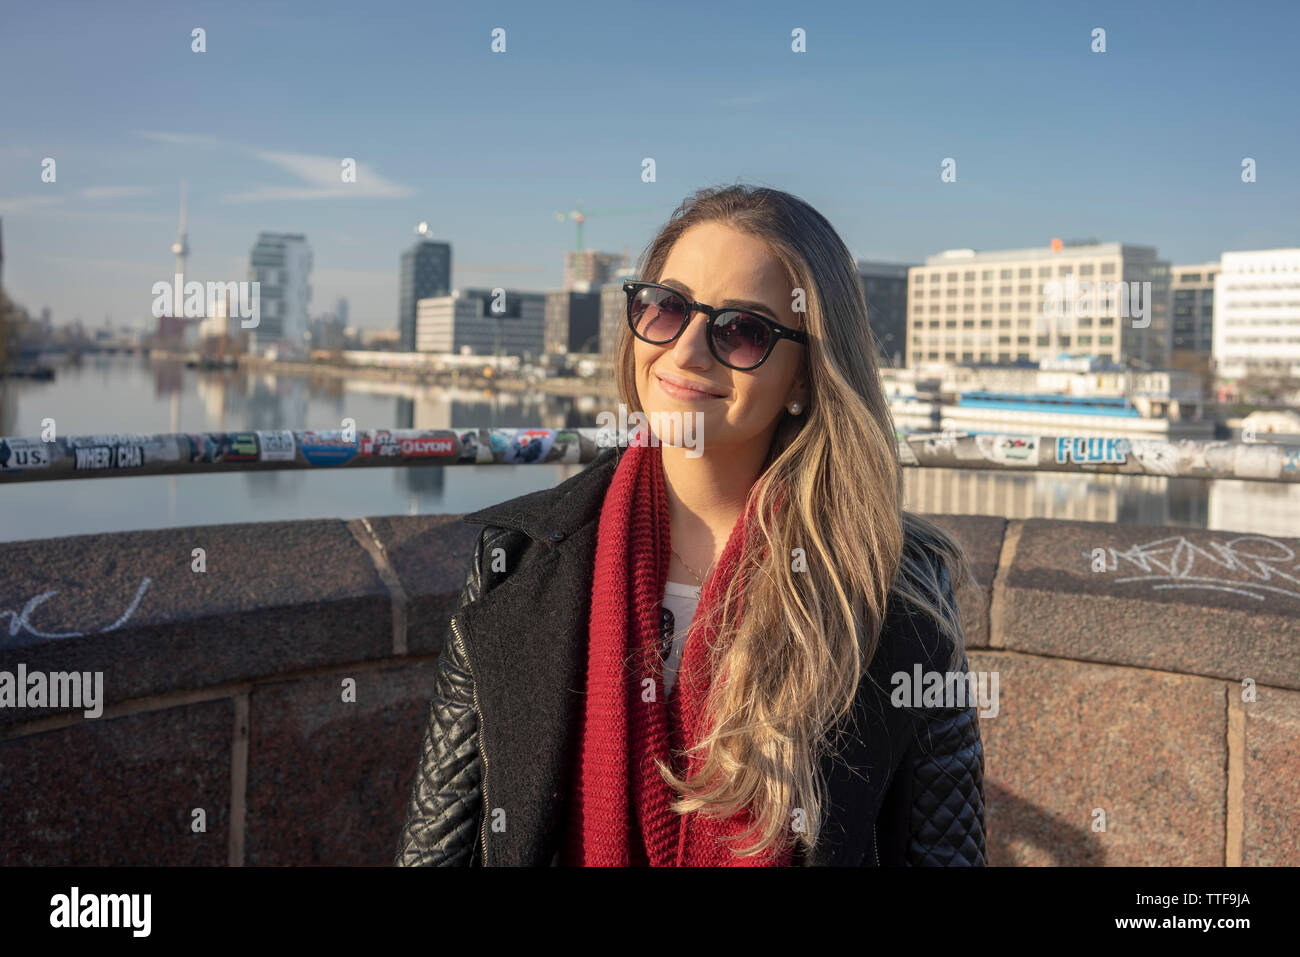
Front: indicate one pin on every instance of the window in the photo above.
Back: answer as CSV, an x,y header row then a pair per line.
x,y
1026,273
986,274
1004,323
1044,271
1085,269
1004,274
1085,322
968,324
1004,307
986,290
1085,340
1108,269
1106,321
952,277
968,307
1023,306
967,356
969,276
1004,340
1064,270
1027,289
1022,340
1105,340
950,324
986,323
934,277
1063,340
986,307
1044,341
1004,290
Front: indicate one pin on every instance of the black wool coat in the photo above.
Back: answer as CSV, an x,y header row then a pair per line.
x,y
903,786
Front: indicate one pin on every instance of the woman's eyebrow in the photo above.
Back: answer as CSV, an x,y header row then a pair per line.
x,y
749,304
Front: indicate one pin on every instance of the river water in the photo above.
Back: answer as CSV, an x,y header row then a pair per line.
x,y
129,394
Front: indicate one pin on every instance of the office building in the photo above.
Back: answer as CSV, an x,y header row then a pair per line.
x,y
425,274
281,263
1192,290
613,316
1040,303
885,287
586,269
478,322
572,321
1257,313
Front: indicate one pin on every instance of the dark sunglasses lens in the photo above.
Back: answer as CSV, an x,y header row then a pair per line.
x,y
741,339
657,314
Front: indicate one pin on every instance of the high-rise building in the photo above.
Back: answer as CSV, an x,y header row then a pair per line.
x,y
885,287
585,269
572,321
426,273
1192,291
341,311
1257,313
2,252
613,315
481,322
1030,304
281,263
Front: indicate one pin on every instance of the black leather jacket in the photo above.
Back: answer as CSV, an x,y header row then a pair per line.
x,y
905,786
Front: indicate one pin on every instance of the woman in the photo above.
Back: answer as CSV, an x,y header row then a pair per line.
x,y
684,659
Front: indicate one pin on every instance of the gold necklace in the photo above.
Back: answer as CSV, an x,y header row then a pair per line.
x,y
687,567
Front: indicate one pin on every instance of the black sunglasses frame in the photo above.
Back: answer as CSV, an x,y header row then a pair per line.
x,y
779,332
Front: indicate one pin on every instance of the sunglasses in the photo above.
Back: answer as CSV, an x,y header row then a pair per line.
x,y
738,339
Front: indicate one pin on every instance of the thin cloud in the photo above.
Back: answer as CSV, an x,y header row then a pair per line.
x,y
320,178
20,204
181,139
117,192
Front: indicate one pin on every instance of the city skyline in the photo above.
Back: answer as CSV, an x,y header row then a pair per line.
x,y
1141,144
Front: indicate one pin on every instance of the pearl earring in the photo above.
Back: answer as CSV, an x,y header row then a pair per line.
x,y
795,407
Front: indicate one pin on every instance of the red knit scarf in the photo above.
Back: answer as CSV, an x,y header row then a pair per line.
x,y
620,813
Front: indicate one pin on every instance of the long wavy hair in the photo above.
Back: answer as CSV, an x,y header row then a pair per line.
x,y
790,668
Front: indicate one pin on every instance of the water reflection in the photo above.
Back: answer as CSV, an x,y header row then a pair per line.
x,y
127,394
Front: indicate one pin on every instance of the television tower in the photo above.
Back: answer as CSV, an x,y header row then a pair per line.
x,y
180,249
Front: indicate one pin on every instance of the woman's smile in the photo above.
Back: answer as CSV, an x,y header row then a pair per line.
x,y
686,390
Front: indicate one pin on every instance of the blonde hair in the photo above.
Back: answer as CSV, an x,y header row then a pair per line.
x,y
792,666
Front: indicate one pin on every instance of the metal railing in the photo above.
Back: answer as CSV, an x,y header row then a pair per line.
x,y
101,456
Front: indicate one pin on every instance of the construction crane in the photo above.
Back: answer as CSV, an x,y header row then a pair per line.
x,y
580,216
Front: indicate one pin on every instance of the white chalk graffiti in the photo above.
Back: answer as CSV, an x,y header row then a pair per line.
x,y
1172,562
21,620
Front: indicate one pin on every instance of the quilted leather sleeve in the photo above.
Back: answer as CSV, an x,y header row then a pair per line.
x,y
445,807
946,768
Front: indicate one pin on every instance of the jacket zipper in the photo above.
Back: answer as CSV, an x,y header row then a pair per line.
x,y
874,849
460,643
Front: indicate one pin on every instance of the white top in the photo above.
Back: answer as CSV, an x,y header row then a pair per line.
x,y
680,601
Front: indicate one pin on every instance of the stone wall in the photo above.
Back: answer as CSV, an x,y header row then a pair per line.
x,y
1123,652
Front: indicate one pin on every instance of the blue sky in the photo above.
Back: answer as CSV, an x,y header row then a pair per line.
x,y
1140,144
